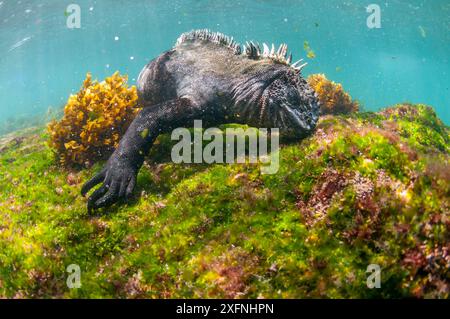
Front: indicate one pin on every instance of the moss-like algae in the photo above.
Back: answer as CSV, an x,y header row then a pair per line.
x,y
368,188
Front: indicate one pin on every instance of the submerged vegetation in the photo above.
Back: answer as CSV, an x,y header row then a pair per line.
x,y
365,188
23,121
333,99
369,188
94,120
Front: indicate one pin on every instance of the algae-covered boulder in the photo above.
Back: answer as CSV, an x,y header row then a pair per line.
x,y
364,189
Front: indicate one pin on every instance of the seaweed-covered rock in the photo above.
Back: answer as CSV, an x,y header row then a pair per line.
x,y
366,188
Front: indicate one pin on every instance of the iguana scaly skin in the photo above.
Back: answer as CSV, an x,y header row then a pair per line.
x,y
207,76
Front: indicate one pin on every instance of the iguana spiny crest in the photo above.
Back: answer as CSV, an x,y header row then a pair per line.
x,y
250,49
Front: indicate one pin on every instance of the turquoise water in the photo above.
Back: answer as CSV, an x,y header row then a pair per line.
x,y
42,61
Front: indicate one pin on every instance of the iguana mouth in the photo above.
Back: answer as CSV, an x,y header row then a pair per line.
x,y
296,115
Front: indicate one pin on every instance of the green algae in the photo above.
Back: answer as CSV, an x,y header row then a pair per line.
x,y
366,188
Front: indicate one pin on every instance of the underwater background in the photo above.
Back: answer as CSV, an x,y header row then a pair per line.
x,y
42,61
370,186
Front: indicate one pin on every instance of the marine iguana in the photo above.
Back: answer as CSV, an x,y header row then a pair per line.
x,y
208,76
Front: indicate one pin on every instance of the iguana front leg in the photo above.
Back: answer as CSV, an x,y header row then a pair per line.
x,y
120,172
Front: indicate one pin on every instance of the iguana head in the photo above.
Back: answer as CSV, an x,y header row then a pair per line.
x,y
283,97
275,95
290,104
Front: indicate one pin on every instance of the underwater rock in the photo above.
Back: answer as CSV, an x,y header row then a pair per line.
x,y
365,188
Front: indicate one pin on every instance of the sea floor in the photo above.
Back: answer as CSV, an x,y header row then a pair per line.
x,y
366,188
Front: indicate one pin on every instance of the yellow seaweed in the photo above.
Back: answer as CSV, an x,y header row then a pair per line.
x,y
333,99
94,120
